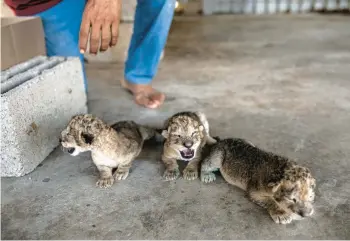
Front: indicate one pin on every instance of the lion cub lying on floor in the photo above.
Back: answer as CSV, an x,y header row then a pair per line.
x,y
185,135
273,182
111,147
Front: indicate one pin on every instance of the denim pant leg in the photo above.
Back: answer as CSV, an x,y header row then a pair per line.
x,y
61,26
151,27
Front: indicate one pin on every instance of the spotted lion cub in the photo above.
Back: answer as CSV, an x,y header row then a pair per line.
x,y
275,183
111,147
185,135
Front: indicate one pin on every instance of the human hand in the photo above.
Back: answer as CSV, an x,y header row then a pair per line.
x,y
103,16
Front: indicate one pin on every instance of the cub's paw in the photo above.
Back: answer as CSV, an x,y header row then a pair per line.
x,y
281,216
171,174
121,175
208,177
190,174
105,182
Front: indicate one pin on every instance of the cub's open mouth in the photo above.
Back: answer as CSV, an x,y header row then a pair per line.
x,y
187,153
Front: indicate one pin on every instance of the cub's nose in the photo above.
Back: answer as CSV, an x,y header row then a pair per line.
x,y
302,213
306,212
71,150
188,144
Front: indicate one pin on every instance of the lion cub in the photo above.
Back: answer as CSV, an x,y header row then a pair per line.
x,y
273,182
111,147
185,135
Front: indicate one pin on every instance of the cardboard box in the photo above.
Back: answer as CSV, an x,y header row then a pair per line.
x,y
22,38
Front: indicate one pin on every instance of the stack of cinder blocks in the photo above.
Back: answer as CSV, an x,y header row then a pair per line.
x,y
38,98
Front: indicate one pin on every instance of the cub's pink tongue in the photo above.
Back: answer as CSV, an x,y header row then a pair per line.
x,y
187,152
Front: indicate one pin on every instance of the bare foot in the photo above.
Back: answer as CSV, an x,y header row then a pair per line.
x,y
144,95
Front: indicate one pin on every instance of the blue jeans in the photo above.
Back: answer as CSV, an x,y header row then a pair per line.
x,y
151,27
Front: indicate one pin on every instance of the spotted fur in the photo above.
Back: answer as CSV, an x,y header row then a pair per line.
x,y
111,147
274,182
185,135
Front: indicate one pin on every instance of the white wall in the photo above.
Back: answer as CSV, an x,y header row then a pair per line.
x,y
269,6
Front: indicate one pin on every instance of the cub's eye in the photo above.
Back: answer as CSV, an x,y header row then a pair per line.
x,y
177,136
194,133
294,200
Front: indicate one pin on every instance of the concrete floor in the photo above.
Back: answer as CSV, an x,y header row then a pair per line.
x,y
282,82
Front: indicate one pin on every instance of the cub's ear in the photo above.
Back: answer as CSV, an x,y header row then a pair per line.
x,y
165,134
201,127
87,138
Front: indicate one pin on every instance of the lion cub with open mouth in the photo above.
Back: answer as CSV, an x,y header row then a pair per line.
x,y
273,182
111,147
185,135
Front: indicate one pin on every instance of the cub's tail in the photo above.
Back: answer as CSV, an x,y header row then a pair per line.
x,y
149,133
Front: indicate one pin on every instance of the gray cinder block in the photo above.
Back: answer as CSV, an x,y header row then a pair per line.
x,y
38,100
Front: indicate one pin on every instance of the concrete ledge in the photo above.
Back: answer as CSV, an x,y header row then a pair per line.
x,y
38,98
